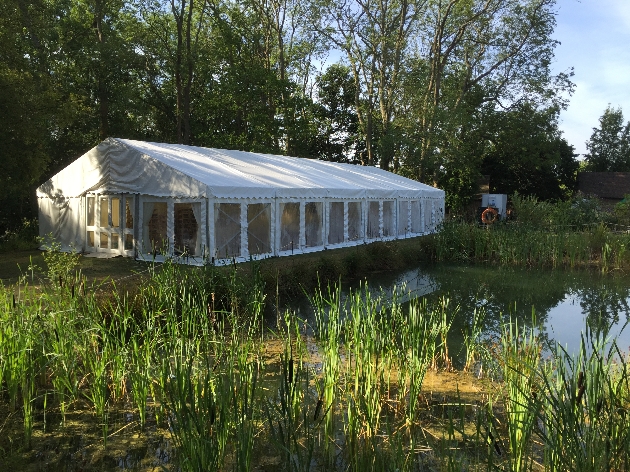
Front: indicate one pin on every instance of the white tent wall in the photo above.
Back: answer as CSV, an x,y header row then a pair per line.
x,y
217,205
63,219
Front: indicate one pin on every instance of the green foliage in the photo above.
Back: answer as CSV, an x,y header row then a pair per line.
x,y
528,154
609,145
578,212
242,75
22,238
543,235
622,211
60,265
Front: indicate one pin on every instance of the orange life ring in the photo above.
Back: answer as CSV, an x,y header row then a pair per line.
x,y
489,216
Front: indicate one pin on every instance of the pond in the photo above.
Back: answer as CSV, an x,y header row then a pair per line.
x,y
564,302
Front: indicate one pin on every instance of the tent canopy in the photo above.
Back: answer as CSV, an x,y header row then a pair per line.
x,y
174,170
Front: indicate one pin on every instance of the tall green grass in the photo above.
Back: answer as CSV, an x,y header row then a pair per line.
x,y
187,353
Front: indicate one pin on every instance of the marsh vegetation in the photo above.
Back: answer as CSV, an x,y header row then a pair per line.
x,y
185,373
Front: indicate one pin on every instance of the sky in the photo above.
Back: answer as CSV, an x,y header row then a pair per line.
x,y
595,41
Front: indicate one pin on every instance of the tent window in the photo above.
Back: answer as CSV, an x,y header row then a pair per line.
x,y
128,242
129,213
115,212
259,228
403,216
335,223
90,237
104,212
155,226
416,217
427,216
114,241
227,229
355,221
373,223
289,226
389,218
186,229
90,212
313,220
104,240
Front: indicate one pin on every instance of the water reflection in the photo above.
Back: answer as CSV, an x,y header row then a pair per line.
x,y
565,302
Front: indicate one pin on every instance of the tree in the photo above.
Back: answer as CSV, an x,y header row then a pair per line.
x,y
609,146
337,137
374,36
528,155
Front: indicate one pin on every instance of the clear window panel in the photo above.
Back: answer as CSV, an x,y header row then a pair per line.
x,y
128,242
428,227
355,221
90,211
104,240
259,228
313,222
416,217
389,218
227,229
403,217
186,228
90,238
114,241
115,212
129,212
335,223
104,222
154,227
373,230
289,226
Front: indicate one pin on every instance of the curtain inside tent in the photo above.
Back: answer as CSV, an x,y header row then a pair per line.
x,y
389,218
289,226
227,229
335,223
403,217
154,230
355,221
416,216
129,209
313,223
259,228
187,228
373,221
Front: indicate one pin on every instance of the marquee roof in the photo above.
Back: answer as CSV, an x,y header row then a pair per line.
x,y
174,170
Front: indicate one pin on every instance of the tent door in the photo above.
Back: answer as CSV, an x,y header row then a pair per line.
x,y
109,224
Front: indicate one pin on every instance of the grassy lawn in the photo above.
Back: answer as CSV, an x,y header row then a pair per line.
x,y
15,264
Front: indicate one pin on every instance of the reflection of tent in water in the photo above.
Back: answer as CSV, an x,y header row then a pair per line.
x,y
149,200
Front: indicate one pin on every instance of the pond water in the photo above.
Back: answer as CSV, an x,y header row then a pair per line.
x,y
564,302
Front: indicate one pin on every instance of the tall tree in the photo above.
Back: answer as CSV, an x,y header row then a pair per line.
x,y
528,155
483,51
609,145
374,36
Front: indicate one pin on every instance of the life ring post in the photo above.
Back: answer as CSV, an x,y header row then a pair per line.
x,y
489,216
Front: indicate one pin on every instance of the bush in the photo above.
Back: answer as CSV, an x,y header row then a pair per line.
x,y
22,238
622,211
577,212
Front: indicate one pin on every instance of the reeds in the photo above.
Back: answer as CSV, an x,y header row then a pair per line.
x,y
522,245
356,400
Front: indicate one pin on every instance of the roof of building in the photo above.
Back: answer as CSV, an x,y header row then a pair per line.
x,y
613,185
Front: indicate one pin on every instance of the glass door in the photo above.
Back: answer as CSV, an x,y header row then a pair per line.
x,y
107,231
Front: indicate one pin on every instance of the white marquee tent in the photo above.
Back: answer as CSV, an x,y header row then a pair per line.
x,y
150,200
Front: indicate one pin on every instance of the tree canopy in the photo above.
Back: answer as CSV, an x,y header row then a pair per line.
x,y
609,145
436,90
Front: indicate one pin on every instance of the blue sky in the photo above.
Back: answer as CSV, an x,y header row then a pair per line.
x,y
595,37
